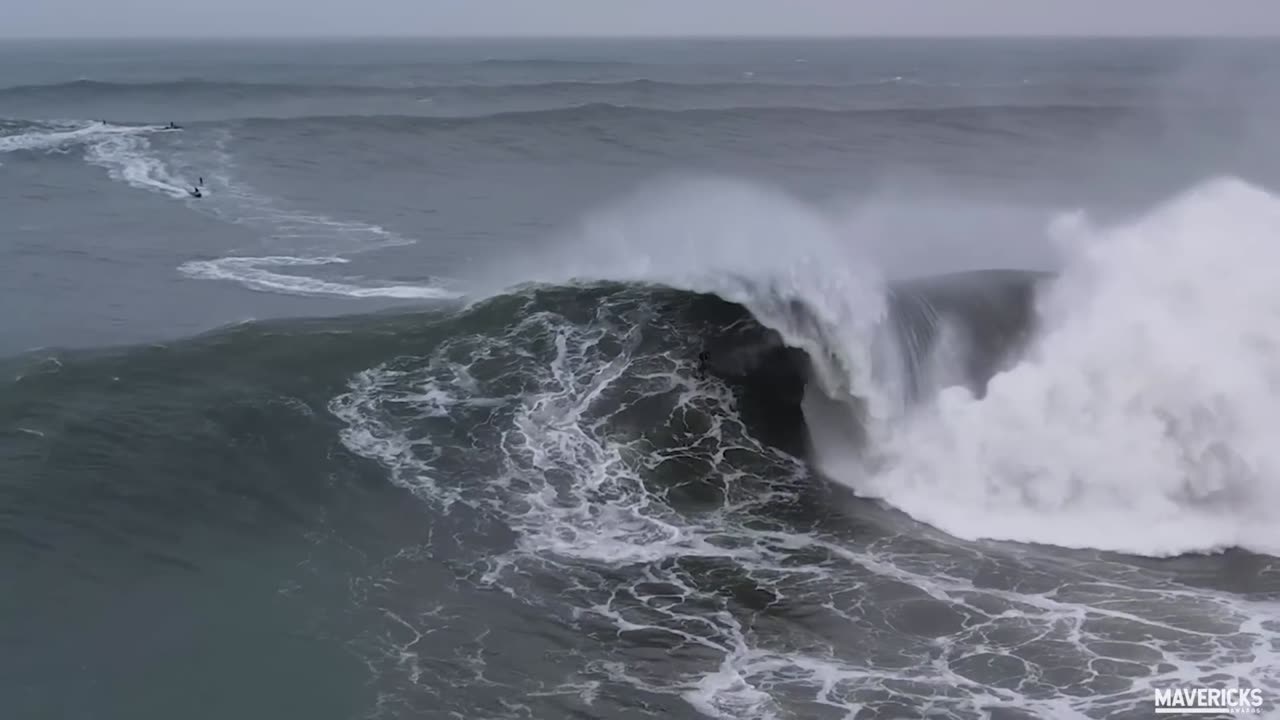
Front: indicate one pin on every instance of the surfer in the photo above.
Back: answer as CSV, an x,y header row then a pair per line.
x,y
173,126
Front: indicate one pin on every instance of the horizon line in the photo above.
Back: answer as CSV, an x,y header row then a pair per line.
x,y
647,36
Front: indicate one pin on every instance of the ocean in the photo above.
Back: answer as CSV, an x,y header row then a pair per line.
x,y
751,379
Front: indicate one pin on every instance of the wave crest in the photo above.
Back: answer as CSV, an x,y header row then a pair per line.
x,y
786,263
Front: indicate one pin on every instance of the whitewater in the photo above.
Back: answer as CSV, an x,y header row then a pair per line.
x,y
1139,421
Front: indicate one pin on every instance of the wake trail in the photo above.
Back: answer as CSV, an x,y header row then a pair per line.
x,y
52,136
252,272
124,151
128,156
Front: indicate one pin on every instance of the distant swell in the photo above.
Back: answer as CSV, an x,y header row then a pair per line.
x,y
223,99
95,88
536,63
607,112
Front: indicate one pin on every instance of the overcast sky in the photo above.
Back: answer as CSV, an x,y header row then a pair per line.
x,y
76,18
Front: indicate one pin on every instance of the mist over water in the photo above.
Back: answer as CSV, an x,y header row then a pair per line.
x,y
411,400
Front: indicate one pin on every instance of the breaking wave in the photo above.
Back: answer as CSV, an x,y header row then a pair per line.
x,y
1136,420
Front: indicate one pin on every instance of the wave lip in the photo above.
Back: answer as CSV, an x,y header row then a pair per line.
x,y
763,250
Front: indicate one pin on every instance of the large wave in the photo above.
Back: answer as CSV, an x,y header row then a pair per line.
x,y
1136,421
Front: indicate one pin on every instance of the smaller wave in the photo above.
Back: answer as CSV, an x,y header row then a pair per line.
x,y
252,273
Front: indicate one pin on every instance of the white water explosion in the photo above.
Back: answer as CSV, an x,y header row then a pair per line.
x,y
1142,419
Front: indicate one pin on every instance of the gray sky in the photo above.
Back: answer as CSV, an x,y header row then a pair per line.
x,y
62,18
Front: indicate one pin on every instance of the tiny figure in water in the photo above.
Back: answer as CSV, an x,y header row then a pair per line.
x,y
704,357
